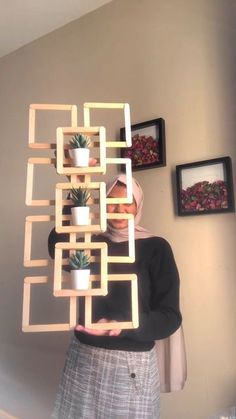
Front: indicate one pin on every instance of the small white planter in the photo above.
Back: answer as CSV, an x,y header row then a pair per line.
x,y
80,279
80,216
80,157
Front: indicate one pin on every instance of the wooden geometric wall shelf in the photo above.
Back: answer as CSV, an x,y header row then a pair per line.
x,y
58,267
32,119
30,180
125,107
118,324
79,237
95,228
55,327
99,132
28,261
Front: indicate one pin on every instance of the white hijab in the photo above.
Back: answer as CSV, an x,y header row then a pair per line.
x,y
171,354
120,235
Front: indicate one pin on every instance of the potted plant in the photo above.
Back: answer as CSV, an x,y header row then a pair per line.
x,y
80,150
79,263
80,211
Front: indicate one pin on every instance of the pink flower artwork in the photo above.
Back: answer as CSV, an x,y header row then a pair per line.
x,y
144,150
205,196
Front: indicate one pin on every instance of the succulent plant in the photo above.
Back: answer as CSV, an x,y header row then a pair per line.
x,y
79,260
80,197
80,141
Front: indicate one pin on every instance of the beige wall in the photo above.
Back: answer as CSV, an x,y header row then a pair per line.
x,y
172,59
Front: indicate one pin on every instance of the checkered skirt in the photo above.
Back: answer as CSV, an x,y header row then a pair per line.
x,y
100,383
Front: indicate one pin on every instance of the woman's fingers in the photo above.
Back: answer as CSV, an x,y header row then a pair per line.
x,y
92,162
114,332
95,332
99,332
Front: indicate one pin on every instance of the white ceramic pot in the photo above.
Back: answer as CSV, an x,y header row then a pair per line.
x,y
80,216
80,157
80,279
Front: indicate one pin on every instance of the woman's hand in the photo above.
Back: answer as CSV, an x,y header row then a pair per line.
x,y
92,162
99,332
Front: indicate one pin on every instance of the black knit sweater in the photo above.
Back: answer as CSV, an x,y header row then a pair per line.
x,y
158,291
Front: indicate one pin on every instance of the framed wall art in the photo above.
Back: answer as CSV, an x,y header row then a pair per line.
x,y
205,187
148,145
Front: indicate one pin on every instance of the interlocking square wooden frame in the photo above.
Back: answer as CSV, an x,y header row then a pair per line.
x,y
50,107
27,327
62,152
28,261
61,160
30,178
32,161
128,171
125,107
131,249
58,265
96,228
134,323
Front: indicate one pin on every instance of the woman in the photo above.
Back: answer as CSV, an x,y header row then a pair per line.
x,y
114,373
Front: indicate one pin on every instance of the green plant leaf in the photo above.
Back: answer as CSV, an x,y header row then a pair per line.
x,y
79,141
80,197
79,260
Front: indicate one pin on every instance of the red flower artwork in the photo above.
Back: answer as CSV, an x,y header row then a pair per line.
x,y
205,196
144,150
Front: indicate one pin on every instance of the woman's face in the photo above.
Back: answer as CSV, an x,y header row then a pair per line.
x,y
119,191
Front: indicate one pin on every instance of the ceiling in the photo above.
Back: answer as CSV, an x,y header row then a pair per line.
x,y
23,21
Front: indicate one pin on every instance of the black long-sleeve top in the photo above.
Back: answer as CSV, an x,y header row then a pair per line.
x,y
158,294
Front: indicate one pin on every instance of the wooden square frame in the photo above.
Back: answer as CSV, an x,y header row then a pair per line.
x,y
131,248
96,228
133,324
28,261
61,169
49,107
58,264
125,107
54,327
128,172
30,179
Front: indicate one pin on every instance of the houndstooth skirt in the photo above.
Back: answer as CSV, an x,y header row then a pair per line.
x,y
100,383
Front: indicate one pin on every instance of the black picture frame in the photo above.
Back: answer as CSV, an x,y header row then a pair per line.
x,y
148,145
205,187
